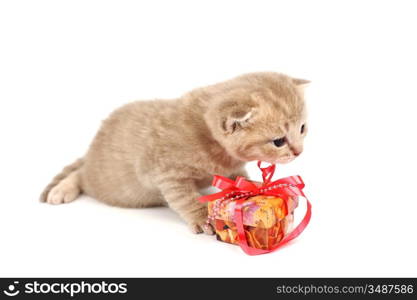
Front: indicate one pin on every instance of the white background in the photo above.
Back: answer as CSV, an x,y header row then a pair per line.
x,y
65,65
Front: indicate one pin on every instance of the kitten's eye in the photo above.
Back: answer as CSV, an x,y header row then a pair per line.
x,y
303,128
280,142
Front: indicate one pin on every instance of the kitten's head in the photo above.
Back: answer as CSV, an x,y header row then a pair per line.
x,y
260,116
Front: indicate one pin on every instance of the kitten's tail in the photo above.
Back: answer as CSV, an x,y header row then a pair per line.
x,y
70,174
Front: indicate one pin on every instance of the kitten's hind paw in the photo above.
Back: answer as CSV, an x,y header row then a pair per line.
x,y
66,191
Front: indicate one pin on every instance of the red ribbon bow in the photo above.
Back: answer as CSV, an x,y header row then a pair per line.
x,y
241,189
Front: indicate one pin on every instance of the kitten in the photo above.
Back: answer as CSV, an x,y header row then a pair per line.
x,y
151,153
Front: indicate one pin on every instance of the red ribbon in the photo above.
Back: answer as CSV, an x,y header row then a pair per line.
x,y
241,189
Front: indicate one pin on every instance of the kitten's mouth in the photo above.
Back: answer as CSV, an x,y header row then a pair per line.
x,y
281,160
284,160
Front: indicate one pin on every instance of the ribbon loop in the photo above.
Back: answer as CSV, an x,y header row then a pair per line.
x,y
267,172
245,185
222,183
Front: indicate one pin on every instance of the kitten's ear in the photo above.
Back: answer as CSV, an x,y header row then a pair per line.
x,y
300,82
237,119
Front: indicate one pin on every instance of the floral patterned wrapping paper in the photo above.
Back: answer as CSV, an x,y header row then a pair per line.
x,y
266,219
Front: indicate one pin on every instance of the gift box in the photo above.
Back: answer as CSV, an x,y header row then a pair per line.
x,y
266,220
257,216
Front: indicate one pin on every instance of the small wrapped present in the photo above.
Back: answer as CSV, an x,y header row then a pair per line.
x,y
257,216
266,220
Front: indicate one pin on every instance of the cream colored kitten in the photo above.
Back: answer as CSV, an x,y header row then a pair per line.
x,y
150,153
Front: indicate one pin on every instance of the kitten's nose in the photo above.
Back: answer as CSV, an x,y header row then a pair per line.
x,y
296,152
296,149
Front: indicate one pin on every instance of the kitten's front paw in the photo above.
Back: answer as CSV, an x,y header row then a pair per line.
x,y
199,224
201,227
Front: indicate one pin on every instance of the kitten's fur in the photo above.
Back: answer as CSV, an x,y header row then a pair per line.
x,y
150,153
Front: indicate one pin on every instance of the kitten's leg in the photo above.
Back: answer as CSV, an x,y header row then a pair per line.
x,y
182,196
